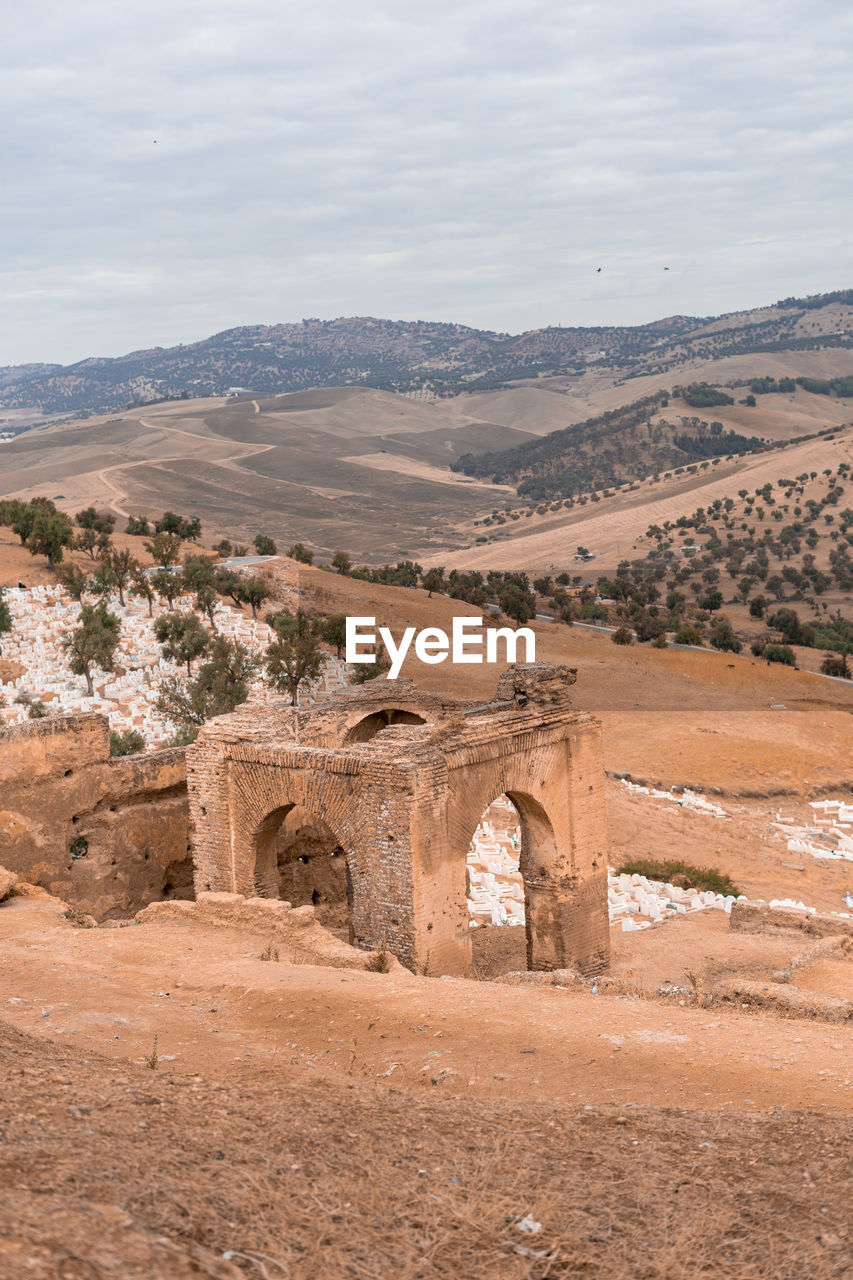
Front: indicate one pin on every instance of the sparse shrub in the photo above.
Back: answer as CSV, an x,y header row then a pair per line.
x,y
623,635
378,962
126,743
680,873
299,552
779,653
836,665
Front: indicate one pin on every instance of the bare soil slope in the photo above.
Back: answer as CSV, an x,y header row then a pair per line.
x,y
272,1126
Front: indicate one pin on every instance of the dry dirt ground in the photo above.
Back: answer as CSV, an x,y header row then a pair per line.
x,y
311,1122
168,1098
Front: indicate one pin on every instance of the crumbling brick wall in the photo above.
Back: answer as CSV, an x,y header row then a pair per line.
x,y
108,835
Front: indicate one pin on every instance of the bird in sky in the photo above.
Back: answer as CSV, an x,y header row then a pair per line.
x,y
598,269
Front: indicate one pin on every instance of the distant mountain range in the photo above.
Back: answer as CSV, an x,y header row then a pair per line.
x,y
408,355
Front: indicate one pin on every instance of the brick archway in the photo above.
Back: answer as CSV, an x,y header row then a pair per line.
x,y
405,804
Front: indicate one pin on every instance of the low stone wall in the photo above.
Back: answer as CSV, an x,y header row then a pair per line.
x,y
758,917
107,835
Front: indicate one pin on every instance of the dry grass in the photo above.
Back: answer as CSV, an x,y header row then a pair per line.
x,y
299,1175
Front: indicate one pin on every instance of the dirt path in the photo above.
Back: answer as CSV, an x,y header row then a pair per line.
x,y
230,460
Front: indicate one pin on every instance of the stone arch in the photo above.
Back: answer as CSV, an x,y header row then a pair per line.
x,y
368,727
375,849
298,856
538,854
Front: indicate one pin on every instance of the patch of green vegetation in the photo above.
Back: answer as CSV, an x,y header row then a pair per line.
x,y
682,874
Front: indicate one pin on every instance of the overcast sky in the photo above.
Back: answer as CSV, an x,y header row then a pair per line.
x,y
171,169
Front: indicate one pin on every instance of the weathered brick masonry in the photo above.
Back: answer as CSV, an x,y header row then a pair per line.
x,y
402,778
108,835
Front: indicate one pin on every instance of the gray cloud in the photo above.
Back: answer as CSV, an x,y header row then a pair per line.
x,y
471,161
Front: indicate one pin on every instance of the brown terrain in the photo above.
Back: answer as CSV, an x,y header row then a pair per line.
x,y
177,1101
181,1097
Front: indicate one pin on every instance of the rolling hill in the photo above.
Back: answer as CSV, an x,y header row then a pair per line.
x,y
439,358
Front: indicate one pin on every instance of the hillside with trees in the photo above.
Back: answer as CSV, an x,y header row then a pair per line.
x,y
440,358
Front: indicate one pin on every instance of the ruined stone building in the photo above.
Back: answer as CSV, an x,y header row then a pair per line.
x,y
364,803
397,780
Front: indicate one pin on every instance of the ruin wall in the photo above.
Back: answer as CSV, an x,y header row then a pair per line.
x,y
109,835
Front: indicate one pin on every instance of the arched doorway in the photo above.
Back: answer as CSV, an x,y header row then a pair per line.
x,y
299,858
379,720
495,892
513,843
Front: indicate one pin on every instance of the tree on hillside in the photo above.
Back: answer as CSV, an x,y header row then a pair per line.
x,y
255,592
199,576
117,568
142,586
334,632
179,526
168,584
722,635
90,541
6,620
97,521
836,665
74,580
295,656
265,546
516,603
433,581
299,552
182,638
21,516
138,526
94,642
164,549
341,562
51,533
221,685
228,582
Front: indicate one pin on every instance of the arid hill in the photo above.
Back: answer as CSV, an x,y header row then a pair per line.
x,y
417,355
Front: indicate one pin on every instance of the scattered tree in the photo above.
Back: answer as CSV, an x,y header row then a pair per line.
x,y
299,552
334,632
6,621
94,642
295,656
182,638
221,685
164,549
74,580
254,592
50,534
433,581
